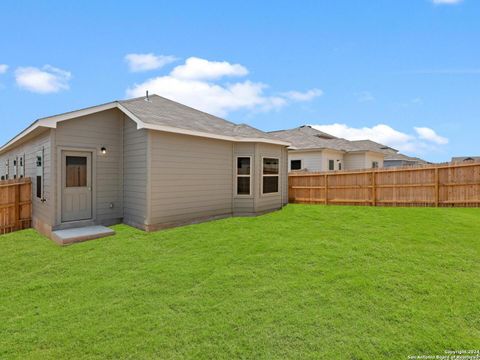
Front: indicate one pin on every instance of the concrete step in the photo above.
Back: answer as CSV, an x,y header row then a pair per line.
x,y
70,236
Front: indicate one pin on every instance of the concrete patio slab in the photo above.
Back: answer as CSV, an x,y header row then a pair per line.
x,y
70,236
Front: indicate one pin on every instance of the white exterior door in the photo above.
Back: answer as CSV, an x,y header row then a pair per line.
x,y
76,186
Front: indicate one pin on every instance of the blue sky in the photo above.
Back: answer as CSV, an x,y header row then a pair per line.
x,y
406,73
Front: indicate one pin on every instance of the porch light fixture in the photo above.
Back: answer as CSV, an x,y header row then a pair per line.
x,y
103,150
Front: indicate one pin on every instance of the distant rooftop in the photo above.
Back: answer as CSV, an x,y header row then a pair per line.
x,y
465,158
308,138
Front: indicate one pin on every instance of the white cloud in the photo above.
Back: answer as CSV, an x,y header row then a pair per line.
x,y
196,83
303,96
43,81
425,140
446,2
428,134
201,69
3,68
145,62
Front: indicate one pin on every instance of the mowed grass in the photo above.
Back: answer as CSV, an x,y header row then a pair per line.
x,y
305,282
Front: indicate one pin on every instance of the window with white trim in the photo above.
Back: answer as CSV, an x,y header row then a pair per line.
x,y
270,175
244,174
374,164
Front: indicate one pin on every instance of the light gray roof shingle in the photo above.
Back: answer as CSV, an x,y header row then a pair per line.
x,y
306,137
374,146
465,158
161,111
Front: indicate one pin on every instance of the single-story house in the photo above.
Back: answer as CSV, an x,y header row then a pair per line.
x,y
147,162
314,150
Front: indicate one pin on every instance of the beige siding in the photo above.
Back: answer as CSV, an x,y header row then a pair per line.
x,y
371,157
135,173
41,211
316,160
92,132
191,178
354,161
311,161
336,156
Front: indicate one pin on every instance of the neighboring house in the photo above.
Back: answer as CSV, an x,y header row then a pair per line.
x,y
314,150
459,159
392,157
147,162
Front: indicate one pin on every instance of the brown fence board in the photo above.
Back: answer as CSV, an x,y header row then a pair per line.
x,y
15,205
446,185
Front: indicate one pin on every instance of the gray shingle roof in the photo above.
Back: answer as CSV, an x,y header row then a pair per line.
x,y
465,158
306,137
161,111
374,146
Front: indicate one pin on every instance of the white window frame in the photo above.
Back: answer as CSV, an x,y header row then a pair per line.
x,y
240,175
328,164
270,175
301,164
373,164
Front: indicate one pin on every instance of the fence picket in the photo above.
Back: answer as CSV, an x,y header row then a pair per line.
x,y
15,205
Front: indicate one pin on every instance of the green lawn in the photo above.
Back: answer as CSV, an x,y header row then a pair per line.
x,y
304,282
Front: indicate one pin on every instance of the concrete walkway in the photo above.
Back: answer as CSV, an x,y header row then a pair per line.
x,y
70,236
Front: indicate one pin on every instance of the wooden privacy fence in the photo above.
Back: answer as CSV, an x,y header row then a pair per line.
x,y
15,205
447,185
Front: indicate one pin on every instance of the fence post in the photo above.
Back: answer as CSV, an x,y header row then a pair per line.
x,y
17,206
374,189
326,189
437,187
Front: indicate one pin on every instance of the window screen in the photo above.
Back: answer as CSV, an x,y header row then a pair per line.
x,y
295,164
243,175
76,171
